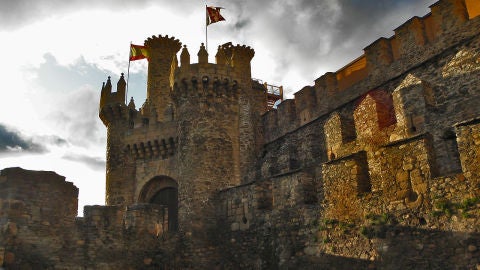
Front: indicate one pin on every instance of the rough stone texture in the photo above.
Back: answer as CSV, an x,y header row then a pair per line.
x,y
375,166
39,229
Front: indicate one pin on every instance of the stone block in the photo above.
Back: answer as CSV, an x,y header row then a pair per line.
x,y
235,226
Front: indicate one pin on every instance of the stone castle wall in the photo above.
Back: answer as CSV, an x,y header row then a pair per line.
x,y
371,171
40,230
195,134
375,166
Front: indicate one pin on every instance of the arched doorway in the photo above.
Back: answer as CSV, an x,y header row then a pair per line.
x,y
163,190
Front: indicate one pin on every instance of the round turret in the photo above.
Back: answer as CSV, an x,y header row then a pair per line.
x,y
116,116
112,104
185,58
193,131
161,67
241,57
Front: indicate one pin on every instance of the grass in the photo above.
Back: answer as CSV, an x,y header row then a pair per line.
x,y
447,208
377,227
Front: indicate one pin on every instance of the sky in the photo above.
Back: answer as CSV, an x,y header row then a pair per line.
x,y
57,53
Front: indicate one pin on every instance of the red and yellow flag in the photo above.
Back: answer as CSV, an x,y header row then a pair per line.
x,y
213,15
138,52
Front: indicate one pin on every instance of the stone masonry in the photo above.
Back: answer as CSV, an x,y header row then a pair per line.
x,y
375,166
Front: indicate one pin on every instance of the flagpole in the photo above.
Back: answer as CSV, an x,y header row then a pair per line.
x,y
206,27
128,71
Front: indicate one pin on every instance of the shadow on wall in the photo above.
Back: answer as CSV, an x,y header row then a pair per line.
x,y
403,247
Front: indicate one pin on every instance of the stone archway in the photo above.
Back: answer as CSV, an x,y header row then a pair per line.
x,y
162,190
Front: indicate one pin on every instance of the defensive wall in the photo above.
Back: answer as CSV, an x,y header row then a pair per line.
x,y
40,228
368,168
375,166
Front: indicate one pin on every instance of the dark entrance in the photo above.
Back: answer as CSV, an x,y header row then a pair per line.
x,y
168,197
162,190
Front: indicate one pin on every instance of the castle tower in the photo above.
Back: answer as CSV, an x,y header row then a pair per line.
x,y
189,140
206,101
161,67
252,105
119,170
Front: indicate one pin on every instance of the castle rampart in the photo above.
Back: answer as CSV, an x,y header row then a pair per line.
x,y
378,65
375,166
39,229
328,84
372,150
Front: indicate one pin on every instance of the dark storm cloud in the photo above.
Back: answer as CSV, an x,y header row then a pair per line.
x,y
94,163
13,141
17,13
313,35
241,24
365,21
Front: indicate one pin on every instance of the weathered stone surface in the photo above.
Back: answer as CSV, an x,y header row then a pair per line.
x,y
376,166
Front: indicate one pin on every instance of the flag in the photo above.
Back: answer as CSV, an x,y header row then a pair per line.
x,y
138,52
213,15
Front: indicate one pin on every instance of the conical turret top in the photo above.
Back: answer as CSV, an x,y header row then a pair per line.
x,y
131,104
121,84
184,57
202,55
108,85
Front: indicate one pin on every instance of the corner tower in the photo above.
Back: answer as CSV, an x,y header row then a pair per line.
x,y
207,100
120,169
194,136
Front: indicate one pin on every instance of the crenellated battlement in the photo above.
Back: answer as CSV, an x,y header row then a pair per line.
x,y
231,61
205,89
163,44
241,54
112,104
108,97
162,63
416,41
206,82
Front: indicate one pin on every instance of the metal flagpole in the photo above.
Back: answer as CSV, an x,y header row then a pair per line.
x,y
206,26
128,71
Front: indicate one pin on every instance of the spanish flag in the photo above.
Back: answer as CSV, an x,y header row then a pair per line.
x,y
138,52
213,15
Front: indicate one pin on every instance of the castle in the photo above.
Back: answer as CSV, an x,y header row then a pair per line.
x,y
375,166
